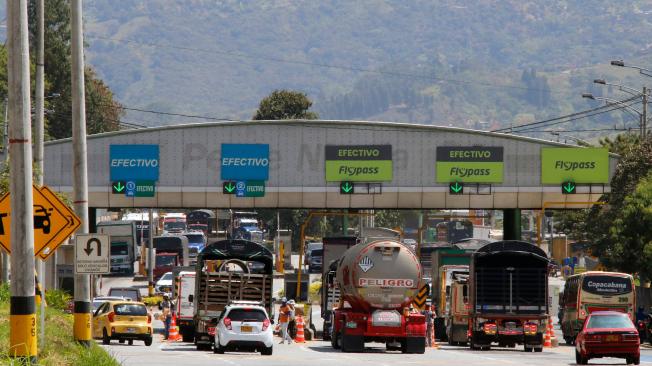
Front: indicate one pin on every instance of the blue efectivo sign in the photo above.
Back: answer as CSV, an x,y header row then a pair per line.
x,y
134,162
244,162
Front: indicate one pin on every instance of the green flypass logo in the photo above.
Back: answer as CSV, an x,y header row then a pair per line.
x,y
574,164
359,163
469,164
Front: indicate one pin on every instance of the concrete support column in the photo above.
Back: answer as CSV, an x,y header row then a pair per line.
x,y
512,224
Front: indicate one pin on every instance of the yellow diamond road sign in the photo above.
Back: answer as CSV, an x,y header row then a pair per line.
x,y
53,221
73,223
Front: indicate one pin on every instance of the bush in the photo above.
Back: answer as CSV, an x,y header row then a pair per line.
x,y
5,294
57,299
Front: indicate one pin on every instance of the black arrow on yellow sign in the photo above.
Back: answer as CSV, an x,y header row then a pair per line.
x,y
422,296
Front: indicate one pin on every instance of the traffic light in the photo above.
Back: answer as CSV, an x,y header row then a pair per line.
x,y
568,187
346,187
228,187
455,188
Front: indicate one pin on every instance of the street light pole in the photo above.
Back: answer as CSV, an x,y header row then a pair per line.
x,y
22,322
82,307
644,114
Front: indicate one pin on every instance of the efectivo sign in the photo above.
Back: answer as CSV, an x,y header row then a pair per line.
x,y
134,162
244,162
473,164
359,163
574,164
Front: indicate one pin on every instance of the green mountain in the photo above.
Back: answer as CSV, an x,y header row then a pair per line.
x,y
476,63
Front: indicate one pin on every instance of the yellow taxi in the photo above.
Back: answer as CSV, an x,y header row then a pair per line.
x,y
122,320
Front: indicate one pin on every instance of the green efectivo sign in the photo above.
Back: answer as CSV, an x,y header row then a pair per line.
x,y
359,163
576,164
474,164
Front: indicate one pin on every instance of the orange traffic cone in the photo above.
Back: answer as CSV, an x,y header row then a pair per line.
x,y
551,330
300,337
546,338
174,331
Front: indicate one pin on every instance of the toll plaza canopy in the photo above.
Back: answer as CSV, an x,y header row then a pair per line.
x,y
330,164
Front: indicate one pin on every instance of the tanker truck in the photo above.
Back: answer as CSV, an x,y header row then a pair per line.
x,y
378,281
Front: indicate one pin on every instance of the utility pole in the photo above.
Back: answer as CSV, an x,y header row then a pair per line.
x,y
82,310
38,138
150,255
22,338
4,275
644,116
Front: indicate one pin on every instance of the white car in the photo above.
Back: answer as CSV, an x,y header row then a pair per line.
x,y
164,284
244,326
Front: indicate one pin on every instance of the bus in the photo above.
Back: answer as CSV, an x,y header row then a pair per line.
x,y
595,291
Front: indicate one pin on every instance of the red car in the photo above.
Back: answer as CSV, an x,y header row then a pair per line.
x,y
608,334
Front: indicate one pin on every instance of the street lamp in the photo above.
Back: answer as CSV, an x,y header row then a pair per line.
x,y
626,89
642,70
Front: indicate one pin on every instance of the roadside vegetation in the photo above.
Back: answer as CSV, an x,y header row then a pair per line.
x,y
59,348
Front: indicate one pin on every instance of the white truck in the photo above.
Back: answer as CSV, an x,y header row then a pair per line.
x,y
184,291
124,247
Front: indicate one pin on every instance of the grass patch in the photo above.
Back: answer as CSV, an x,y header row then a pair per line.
x,y
59,348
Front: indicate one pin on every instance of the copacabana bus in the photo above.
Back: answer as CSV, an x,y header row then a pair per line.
x,y
595,291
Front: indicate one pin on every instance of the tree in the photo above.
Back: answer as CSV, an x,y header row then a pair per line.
x,y
630,234
285,104
605,225
103,112
388,218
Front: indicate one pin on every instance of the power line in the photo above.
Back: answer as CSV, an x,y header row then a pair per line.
x,y
323,65
568,117
578,130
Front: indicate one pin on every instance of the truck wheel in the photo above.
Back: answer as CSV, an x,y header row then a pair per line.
x,y
187,337
336,341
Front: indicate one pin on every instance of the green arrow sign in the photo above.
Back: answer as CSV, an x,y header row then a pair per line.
x,y
228,187
455,188
568,188
346,188
118,187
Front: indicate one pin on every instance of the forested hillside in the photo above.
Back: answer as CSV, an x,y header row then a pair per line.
x,y
441,62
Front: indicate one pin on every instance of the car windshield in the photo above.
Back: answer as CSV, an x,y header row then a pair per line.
x,y
131,294
609,321
119,248
166,277
165,260
96,304
174,225
195,238
130,309
253,315
317,253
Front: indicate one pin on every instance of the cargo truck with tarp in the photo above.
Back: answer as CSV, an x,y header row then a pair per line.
x,y
508,296
228,270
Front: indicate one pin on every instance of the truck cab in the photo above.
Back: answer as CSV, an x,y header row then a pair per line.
x,y
457,315
165,262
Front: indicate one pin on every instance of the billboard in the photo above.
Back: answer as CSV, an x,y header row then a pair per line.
x,y
244,162
134,162
469,164
359,163
574,164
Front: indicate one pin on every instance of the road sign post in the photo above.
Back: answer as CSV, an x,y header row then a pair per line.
x,y
92,254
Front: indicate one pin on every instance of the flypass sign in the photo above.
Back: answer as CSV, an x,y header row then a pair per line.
x,y
578,165
475,164
359,163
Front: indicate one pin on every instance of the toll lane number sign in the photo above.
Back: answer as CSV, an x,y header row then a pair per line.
x,y
92,254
